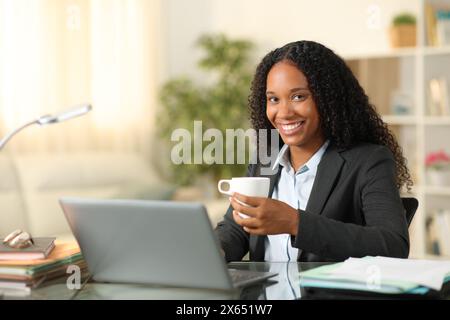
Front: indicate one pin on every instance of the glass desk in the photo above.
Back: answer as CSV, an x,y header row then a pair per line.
x,y
284,286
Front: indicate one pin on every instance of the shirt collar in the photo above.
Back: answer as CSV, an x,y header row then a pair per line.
x,y
283,157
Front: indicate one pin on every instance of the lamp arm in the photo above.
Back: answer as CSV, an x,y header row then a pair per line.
x,y
49,119
13,133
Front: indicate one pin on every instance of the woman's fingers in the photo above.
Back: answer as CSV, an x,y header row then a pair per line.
x,y
251,201
245,222
250,211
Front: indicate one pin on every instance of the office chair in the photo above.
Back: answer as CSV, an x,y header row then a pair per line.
x,y
410,205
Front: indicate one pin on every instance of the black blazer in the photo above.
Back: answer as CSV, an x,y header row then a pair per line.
x,y
354,210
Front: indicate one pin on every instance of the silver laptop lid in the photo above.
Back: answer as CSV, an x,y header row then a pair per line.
x,y
153,242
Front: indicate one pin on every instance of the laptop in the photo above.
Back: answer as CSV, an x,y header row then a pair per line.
x,y
152,242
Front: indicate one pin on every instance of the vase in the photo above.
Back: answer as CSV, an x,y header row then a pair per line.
x,y
403,36
438,177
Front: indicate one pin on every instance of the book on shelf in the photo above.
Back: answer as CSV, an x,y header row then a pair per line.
x,y
439,233
438,104
430,23
39,250
443,26
437,23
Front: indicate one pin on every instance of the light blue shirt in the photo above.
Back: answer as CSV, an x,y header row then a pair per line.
x,y
293,188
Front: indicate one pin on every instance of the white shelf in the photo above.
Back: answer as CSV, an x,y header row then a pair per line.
x,y
389,53
398,53
408,71
437,190
436,50
429,256
434,120
400,120
413,120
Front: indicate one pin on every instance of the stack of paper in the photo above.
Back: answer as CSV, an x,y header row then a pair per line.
x,y
23,275
380,274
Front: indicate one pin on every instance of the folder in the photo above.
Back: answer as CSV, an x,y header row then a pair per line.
x,y
378,277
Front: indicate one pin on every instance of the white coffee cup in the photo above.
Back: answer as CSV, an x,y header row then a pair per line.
x,y
248,186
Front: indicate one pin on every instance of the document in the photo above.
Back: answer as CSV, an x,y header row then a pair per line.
x,y
427,273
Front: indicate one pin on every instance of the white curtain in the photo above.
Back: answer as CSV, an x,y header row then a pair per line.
x,y
59,53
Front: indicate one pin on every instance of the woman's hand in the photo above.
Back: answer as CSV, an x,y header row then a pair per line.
x,y
266,215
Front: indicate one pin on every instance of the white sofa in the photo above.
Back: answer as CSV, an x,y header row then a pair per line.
x,y
31,185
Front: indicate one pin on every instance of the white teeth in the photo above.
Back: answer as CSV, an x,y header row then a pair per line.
x,y
288,127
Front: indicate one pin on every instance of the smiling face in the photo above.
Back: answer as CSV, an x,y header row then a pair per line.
x,y
291,108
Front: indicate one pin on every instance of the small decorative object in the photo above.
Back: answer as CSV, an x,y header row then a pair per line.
x,y
438,168
401,103
403,31
18,239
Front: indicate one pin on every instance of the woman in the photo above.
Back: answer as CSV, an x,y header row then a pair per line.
x,y
336,193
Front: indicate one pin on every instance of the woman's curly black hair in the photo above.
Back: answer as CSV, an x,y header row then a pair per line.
x,y
346,115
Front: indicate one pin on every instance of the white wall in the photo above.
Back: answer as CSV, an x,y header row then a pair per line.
x,y
183,22
347,26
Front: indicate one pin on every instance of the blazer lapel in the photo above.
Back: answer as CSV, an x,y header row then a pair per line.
x,y
327,173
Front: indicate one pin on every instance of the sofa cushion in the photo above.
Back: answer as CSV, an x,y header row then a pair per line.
x,y
51,172
47,177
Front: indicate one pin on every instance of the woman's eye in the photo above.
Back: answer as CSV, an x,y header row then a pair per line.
x,y
298,97
272,99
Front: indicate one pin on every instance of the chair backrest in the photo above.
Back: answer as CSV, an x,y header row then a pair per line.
x,y
410,205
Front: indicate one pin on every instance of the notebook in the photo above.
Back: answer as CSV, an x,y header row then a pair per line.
x,y
40,250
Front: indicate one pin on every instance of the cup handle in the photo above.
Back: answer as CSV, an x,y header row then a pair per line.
x,y
219,186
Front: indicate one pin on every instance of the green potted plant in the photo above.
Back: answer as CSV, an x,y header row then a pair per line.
x,y
403,31
221,103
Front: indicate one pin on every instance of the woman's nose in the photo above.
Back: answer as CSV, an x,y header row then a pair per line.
x,y
285,109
